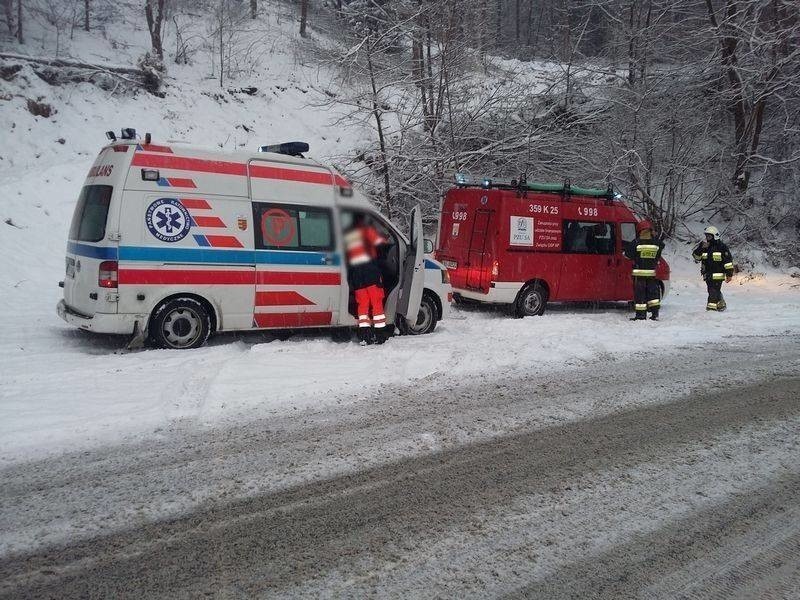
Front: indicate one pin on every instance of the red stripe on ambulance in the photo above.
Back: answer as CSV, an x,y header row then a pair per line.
x,y
181,182
196,203
207,221
282,299
297,278
222,167
304,319
223,241
182,276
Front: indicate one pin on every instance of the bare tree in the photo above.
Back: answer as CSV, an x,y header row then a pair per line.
x,y
154,13
303,17
8,9
20,36
86,7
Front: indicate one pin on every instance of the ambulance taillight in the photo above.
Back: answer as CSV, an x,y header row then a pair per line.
x,y
495,268
107,277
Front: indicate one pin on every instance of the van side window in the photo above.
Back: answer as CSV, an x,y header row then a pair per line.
x,y
628,231
289,227
581,237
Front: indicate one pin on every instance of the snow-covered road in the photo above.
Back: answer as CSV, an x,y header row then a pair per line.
x,y
570,481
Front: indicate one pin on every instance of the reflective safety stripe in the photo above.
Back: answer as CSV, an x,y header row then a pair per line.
x,y
728,266
380,325
704,255
640,306
712,305
647,247
363,320
718,276
644,272
651,303
716,255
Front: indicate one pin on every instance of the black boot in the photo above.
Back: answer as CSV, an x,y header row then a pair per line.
x,y
380,335
640,316
654,316
363,336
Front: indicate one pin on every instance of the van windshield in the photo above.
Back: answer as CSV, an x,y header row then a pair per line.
x,y
91,212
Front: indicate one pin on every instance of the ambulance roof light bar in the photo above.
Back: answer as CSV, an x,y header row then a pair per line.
x,y
287,148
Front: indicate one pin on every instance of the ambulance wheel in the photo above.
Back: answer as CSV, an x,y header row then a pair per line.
x,y
426,318
531,301
180,323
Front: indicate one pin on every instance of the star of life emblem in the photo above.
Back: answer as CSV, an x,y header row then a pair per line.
x,y
168,220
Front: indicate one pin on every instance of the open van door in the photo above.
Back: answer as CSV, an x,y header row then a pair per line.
x,y
413,270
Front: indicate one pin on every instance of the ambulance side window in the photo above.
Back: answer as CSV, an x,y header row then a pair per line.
x,y
285,227
583,237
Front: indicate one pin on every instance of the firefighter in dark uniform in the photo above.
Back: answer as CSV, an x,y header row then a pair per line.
x,y
645,251
716,266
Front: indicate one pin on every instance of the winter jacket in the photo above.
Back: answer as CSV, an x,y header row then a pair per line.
x,y
715,260
645,255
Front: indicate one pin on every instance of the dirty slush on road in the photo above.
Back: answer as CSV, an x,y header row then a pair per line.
x,y
584,483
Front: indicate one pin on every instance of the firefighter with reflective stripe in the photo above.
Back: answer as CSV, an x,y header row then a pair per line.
x,y
362,245
716,266
645,251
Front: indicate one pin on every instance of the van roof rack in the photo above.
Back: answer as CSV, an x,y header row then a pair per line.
x,y
565,188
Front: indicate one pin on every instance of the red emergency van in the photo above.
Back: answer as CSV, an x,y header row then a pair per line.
x,y
527,244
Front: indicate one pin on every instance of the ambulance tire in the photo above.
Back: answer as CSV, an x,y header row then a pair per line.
x,y
180,324
427,318
531,301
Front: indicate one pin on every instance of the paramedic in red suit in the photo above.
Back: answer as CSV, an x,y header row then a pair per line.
x,y
362,244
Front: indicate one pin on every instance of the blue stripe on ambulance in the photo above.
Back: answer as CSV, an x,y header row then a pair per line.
x,y
429,264
103,253
215,256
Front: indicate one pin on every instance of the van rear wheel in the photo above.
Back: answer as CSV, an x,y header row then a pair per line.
x,y
531,301
180,323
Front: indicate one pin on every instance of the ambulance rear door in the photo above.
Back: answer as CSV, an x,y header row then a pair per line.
x,y
90,282
413,270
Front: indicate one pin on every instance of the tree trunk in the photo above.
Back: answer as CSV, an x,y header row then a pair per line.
x,y
154,19
8,6
517,20
86,15
253,9
303,17
376,113
20,36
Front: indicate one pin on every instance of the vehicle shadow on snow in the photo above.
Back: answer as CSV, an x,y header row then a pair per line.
x,y
505,311
93,343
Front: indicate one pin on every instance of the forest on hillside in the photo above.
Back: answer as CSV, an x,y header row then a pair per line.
x,y
689,109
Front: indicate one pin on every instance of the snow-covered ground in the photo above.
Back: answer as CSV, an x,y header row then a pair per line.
x,y
62,389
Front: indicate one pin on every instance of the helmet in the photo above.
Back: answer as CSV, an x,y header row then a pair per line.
x,y
711,230
642,225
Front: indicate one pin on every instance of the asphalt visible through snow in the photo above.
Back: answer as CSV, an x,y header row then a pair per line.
x,y
665,476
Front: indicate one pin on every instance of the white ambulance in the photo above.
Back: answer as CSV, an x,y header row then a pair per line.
x,y
173,243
